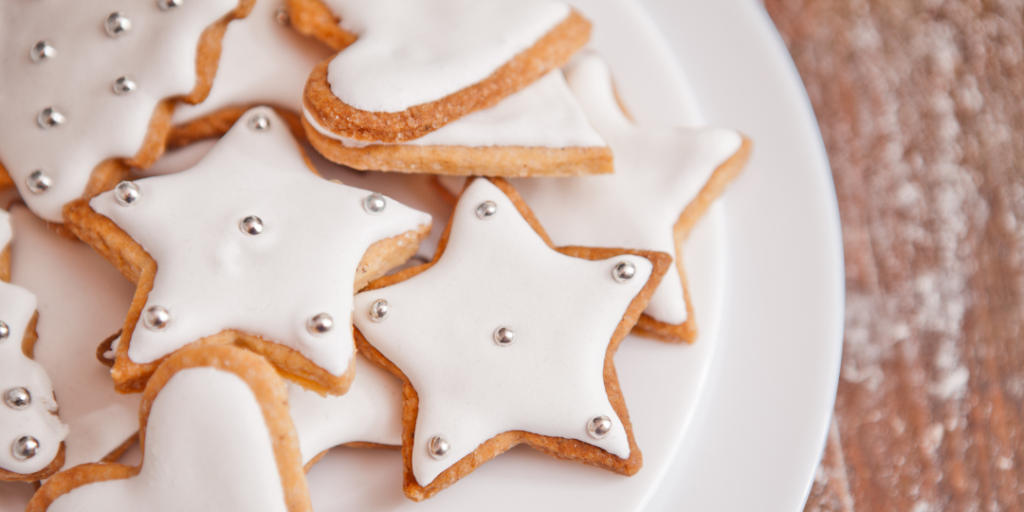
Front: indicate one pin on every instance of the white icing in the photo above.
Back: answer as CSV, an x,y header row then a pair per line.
x,y
544,114
158,54
261,61
213,277
207,448
499,272
414,190
371,412
81,301
39,420
658,172
411,52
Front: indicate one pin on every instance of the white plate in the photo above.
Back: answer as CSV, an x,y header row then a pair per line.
x,y
761,422
761,425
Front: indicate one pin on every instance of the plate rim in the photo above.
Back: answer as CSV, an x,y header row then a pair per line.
x,y
751,16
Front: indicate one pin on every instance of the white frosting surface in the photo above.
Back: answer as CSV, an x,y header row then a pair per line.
x,y
544,114
411,52
39,420
658,172
499,272
207,448
414,190
158,54
261,61
81,301
371,412
213,277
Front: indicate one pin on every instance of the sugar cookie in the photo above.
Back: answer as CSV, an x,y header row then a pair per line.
x,y
406,68
249,247
31,434
503,339
88,89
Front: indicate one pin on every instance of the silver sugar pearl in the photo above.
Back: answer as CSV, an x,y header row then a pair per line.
x,y
599,426
281,15
486,209
25,448
42,51
504,336
117,24
18,398
127,193
624,271
438,447
5,331
49,117
166,5
320,324
156,318
123,85
379,310
259,123
37,182
374,203
251,225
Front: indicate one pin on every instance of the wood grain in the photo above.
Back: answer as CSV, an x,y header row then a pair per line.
x,y
921,105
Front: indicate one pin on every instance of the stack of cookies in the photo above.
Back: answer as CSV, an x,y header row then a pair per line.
x,y
530,225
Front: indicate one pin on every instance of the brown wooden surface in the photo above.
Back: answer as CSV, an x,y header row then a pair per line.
x,y
921,105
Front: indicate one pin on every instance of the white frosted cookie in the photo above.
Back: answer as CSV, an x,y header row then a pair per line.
x,y
263,61
248,247
503,339
31,434
414,190
215,435
664,181
408,67
538,131
94,82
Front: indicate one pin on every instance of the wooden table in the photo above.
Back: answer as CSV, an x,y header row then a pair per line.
x,y
921,105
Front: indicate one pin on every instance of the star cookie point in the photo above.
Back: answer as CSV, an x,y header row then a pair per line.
x,y
665,180
80,100
216,435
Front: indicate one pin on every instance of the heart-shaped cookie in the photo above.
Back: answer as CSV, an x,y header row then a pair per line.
x,y
216,436
407,68
247,247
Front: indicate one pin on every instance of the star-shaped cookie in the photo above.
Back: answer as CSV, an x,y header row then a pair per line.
x,y
664,181
88,88
248,247
215,436
503,339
